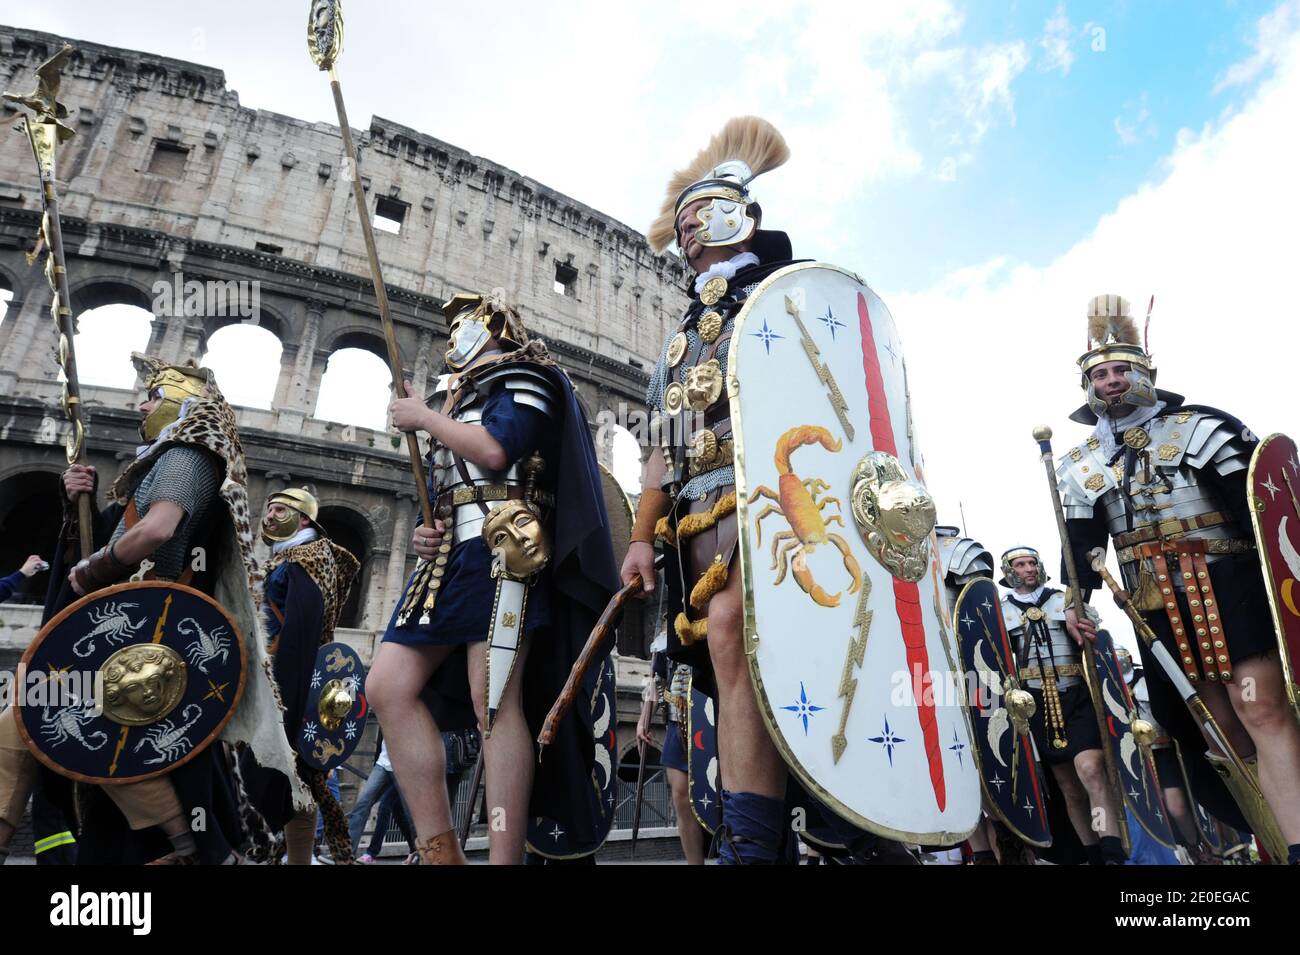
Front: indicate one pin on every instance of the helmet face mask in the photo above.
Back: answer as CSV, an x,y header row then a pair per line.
x,y
469,336
172,387
473,321
284,513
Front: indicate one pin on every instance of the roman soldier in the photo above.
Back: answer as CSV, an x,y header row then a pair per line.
x,y
177,512
1166,481
689,499
511,577
1064,722
308,578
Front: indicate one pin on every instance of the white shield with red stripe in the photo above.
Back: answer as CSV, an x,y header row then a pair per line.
x,y
847,637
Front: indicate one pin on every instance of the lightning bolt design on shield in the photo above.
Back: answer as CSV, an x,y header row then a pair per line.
x,y
852,661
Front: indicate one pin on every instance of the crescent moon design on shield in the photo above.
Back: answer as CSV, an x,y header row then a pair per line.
x,y
708,711
602,754
1292,558
990,676
1119,712
998,726
712,773
699,739
1127,750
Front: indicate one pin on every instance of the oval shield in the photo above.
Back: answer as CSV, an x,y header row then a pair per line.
x,y
1004,748
1131,746
1273,485
845,629
702,760
549,838
130,682
336,710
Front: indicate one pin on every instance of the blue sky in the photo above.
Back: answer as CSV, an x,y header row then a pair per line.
x,y
1033,188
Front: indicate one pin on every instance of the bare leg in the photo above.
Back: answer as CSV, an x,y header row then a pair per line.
x,y
1259,698
1091,768
749,760
1176,803
690,831
414,743
1217,702
508,758
1076,803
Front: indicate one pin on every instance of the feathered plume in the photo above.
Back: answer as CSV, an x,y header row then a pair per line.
x,y
1109,319
754,141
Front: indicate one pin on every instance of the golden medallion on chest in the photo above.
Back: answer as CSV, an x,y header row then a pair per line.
x,y
713,290
703,384
674,397
1137,438
1034,613
710,326
676,349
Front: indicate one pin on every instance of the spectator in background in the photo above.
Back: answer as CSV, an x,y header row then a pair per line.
x,y
32,566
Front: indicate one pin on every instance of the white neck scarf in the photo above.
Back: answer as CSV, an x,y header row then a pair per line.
x,y
305,535
1032,596
726,270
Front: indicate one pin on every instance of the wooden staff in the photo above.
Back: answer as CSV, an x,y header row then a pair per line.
x,y
325,44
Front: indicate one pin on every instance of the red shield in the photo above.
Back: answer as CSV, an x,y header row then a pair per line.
x,y
1274,487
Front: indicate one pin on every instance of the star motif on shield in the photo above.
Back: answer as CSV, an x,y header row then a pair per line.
x,y
352,684
766,336
966,621
315,679
556,832
706,802
888,739
986,605
997,781
803,708
216,691
831,321
350,729
1271,487
957,747
309,731
1132,793
1028,806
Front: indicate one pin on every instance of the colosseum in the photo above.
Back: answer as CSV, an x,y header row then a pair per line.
x,y
170,180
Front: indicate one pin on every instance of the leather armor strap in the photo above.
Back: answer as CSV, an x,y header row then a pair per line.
x,y
1170,528
1185,655
1210,639
1061,669
1219,546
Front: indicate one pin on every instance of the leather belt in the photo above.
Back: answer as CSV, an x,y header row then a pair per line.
x,y
1222,546
483,493
1062,669
1170,527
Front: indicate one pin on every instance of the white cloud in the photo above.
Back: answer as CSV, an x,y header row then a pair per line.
x,y
1055,43
1213,240
1273,34
1134,129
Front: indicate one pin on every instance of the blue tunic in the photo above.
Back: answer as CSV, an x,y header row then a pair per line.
x,y
463,610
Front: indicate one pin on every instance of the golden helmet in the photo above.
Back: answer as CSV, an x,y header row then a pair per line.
x,y
174,385
470,317
299,501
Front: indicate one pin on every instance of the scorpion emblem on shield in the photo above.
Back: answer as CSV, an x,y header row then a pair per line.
x,y
324,750
167,740
208,646
798,502
335,661
69,723
111,622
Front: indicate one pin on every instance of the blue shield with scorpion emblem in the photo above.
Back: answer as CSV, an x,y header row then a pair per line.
x,y
336,709
130,682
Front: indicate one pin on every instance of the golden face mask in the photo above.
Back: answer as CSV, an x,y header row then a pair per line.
x,y
172,387
279,523
517,540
